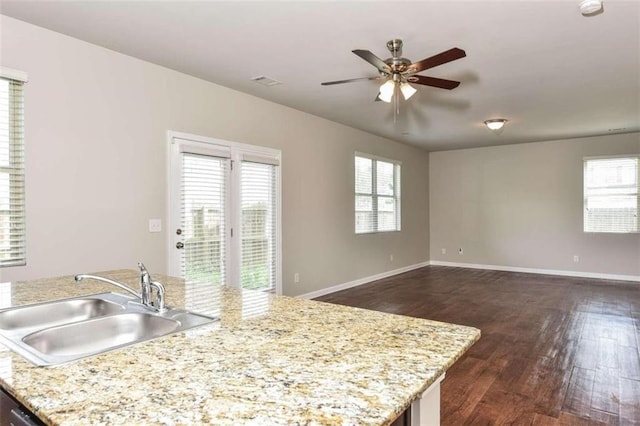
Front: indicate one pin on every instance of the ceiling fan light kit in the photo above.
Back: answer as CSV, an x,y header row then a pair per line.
x,y
407,90
387,90
398,72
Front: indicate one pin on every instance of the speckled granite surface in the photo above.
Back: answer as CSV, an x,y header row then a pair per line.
x,y
269,361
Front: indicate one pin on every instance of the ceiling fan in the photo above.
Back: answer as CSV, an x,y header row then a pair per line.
x,y
398,72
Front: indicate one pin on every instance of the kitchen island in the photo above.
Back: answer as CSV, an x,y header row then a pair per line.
x,y
268,360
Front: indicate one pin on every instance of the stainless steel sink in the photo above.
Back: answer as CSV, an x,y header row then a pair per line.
x,y
61,331
96,335
60,312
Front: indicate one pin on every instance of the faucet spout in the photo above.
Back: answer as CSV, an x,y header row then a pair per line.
x,y
124,287
147,287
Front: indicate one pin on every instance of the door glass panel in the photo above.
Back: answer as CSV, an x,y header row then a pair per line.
x,y
258,209
203,195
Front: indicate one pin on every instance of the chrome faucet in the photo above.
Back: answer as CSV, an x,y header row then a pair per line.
x,y
147,285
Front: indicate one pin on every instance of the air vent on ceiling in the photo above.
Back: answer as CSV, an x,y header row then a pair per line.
x,y
266,81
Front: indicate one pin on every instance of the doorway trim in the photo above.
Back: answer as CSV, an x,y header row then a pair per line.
x,y
238,150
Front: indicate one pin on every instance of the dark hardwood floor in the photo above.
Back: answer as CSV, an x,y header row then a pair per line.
x,y
554,350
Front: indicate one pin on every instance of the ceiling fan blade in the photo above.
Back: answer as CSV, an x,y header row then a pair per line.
x,y
373,60
329,83
432,81
439,59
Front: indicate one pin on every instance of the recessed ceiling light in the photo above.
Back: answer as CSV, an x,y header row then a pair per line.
x,y
266,81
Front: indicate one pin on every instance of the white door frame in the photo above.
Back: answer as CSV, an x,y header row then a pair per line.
x,y
211,146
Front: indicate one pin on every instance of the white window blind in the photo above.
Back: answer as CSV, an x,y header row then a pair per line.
x,y
203,213
611,194
259,225
12,197
377,195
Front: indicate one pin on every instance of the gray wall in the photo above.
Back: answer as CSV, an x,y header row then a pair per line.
x,y
96,124
96,149
522,206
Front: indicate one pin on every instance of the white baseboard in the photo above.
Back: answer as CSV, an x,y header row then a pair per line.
x,y
361,281
365,280
538,271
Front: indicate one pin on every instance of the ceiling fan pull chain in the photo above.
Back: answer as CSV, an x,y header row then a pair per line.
x,y
396,104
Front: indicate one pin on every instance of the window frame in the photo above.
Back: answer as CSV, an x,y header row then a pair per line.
x,y
375,196
15,169
587,196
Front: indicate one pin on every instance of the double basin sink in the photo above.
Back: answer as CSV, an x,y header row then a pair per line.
x,y
61,331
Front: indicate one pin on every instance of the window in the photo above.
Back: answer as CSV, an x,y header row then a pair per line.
x,y
377,194
12,206
611,194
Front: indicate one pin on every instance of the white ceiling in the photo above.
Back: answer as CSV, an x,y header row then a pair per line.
x,y
550,71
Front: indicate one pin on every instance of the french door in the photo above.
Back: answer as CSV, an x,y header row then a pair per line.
x,y
224,219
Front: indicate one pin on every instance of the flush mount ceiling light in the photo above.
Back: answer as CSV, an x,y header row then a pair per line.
x,y
590,7
496,125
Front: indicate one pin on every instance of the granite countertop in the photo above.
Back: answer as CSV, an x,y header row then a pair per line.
x,y
269,360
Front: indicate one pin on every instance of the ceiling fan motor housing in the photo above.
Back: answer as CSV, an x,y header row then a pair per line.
x,y
395,47
396,62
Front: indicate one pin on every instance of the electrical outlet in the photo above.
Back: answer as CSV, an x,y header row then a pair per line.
x,y
155,225
460,251
444,251
296,277
391,257
576,258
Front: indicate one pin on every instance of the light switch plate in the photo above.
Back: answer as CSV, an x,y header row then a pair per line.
x,y
155,225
